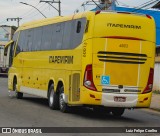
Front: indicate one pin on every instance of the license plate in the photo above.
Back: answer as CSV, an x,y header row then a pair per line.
x,y
119,99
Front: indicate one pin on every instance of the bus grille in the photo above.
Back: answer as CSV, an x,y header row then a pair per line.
x,y
122,57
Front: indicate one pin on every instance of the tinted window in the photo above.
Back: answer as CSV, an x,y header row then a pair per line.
x,y
15,36
46,38
21,42
67,35
29,40
53,37
37,39
57,36
77,32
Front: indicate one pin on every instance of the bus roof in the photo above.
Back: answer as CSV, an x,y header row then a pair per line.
x,y
48,21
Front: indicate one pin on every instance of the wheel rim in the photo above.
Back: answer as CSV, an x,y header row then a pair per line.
x,y
61,100
51,97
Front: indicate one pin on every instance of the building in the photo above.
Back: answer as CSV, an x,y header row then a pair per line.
x,y
6,34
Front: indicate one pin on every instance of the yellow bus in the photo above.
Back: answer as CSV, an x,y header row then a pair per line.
x,y
104,60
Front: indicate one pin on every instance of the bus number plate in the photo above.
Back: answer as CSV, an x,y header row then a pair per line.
x,y
119,99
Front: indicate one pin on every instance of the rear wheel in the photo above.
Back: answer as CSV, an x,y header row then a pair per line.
x,y
18,95
118,112
53,98
62,105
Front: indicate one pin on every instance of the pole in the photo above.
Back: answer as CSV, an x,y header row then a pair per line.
x,y
15,19
18,22
59,5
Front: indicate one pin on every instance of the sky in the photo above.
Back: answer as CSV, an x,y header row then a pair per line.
x,y
13,9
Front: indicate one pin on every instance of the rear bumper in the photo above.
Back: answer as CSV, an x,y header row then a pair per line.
x,y
107,99
132,100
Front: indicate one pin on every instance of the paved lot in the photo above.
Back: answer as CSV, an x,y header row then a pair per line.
x,y
34,112
155,104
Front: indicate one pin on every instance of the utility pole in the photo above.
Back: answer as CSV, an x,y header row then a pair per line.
x,y
15,19
51,2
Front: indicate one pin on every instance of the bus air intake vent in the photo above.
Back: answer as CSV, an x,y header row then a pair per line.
x,y
122,57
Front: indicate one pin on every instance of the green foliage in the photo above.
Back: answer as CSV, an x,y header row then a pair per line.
x,y
156,91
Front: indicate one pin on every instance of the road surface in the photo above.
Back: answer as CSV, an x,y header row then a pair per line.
x,y
34,112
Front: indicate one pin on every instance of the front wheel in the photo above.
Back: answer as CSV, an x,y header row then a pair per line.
x,y
18,95
118,112
62,105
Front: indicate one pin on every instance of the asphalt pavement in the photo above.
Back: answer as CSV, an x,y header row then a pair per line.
x,y
32,111
155,103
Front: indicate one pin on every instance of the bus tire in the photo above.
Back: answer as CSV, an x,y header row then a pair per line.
x,y
118,112
18,95
53,98
62,105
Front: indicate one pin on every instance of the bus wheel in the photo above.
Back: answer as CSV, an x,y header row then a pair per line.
x,y
62,105
18,95
118,112
53,98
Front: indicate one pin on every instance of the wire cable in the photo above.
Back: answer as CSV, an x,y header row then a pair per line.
x,y
33,15
29,12
139,8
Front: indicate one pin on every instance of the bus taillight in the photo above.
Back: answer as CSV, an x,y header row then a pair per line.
x,y
148,16
88,78
97,12
150,82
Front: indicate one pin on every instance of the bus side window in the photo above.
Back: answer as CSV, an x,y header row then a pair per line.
x,y
12,48
67,35
77,33
78,27
29,39
58,35
37,39
46,37
20,43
